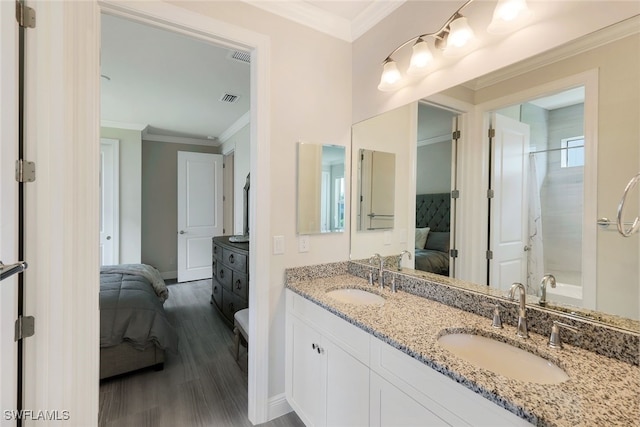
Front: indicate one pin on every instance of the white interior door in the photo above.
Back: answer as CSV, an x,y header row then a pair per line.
x,y
508,222
8,208
109,202
199,212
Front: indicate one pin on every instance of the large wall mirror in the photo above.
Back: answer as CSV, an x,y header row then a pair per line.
x,y
574,114
321,188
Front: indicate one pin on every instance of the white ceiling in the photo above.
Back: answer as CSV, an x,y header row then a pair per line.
x,y
170,84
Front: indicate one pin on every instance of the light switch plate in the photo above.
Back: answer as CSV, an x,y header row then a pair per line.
x,y
278,245
303,243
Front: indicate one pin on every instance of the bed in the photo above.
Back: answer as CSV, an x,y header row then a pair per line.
x,y
134,329
433,213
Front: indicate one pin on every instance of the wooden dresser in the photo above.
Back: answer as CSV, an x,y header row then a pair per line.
x,y
230,282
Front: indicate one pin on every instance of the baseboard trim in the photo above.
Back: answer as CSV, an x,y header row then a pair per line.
x,y
169,275
278,406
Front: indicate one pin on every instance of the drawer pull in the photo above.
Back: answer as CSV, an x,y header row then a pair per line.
x,y
231,307
238,284
231,260
215,289
221,274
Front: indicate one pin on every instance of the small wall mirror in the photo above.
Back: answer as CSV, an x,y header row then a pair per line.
x,y
321,188
376,185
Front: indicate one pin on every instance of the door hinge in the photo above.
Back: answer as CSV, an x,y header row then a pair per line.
x,y
25,327
455,134
489,254
25,171
25,15
455,194
453,253
492,133
490,194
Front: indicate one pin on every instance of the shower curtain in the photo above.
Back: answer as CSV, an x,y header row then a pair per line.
x,y
535,254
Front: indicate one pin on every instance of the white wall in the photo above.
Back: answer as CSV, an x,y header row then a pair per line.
x,y
310,100
239,144
433,173
130,192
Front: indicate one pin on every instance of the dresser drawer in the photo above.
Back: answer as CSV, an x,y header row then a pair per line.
x,y
234,260
224,276
217,251
216,293
231,303
240,285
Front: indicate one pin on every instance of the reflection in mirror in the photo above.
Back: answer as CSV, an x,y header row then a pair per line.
x,y
606,273
377,190
435,209
321,188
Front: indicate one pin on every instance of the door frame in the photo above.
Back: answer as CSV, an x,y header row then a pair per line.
x,y
588,79
66,250
183,21
8,206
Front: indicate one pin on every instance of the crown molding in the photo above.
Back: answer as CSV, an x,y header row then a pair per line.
x,y
235,127
591,41
337,26
374,13
122,125
434,140
146,136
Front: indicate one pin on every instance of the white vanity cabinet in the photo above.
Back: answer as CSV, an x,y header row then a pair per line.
x,y
339,375
326,384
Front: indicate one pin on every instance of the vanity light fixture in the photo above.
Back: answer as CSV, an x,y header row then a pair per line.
x,y
453,38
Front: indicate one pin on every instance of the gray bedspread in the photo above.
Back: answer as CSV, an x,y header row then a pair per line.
x,y
144,270
131,311
432,261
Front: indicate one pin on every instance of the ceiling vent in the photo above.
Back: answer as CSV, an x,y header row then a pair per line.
x,y
227,97
240,56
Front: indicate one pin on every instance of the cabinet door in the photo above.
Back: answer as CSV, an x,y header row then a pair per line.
x,y
307,373
389,406
347,388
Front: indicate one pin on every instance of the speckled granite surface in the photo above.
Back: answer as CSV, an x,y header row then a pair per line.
x,y
601,391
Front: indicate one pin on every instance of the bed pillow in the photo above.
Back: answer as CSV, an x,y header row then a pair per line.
x,y
421,237
438,241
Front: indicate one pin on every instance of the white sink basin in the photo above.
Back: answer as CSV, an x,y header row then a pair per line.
x,y
502,358
356,296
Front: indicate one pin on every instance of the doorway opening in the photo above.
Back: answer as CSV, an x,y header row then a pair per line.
x,y
537,207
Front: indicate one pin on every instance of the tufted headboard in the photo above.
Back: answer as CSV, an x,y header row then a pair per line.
x,y
433,211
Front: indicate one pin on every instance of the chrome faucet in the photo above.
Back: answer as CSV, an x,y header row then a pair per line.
x,y
400,258
550,280
522,314
380,268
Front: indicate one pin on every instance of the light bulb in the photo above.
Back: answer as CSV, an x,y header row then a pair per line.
x,y
460,33
420,59
391,77
508,15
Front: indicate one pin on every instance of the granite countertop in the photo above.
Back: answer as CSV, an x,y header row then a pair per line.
x,y
600,391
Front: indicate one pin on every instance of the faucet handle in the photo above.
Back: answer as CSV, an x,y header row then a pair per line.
x,y
370,278
497,321
554,340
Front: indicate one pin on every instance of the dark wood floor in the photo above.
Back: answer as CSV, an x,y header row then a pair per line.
x,y
202,385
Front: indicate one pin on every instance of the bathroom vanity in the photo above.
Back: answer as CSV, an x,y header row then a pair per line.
x,y
380,363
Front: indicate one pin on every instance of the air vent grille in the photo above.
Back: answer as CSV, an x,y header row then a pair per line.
x,y
227,97
240,56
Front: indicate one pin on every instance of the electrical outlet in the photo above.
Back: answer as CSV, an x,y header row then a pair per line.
x,y
278,245
303,243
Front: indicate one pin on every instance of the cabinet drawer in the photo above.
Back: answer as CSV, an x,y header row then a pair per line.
x,y
231,303
351,338
240,285
224,276
216,293
217,251
234,260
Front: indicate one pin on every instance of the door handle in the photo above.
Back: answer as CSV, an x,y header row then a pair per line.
x,y
182,231
7,271
108,237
